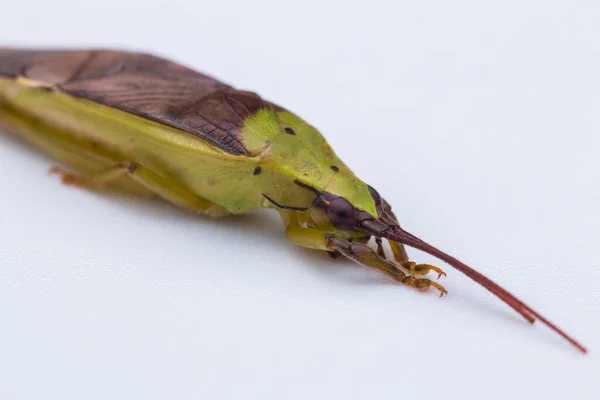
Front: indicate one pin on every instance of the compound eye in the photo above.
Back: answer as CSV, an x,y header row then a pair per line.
x,y
342,214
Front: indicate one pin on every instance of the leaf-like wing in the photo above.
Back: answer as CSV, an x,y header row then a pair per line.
x,y
144,85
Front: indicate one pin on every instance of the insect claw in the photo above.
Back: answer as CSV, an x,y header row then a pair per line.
x,y
422,269
442,290
439,287
422,284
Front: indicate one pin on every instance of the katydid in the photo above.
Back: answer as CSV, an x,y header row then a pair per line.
x,y
145,124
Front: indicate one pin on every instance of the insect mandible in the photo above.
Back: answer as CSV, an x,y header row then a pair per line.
x,y
145,124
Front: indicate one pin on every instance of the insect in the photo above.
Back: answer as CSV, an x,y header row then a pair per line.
x,y
147,125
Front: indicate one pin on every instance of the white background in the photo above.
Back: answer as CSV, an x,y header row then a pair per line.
x,y
478,121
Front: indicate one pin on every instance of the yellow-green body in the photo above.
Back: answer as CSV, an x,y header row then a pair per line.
x,y
88,137
150,126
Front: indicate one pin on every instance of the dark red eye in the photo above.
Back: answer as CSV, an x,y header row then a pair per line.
x,y
342,214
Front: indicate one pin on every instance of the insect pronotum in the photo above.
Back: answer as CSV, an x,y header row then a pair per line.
x,y
148,125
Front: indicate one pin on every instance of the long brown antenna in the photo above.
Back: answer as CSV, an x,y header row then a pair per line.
x,y
401,236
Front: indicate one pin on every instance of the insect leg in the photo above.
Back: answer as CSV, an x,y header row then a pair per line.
x,y
414,268
361,253
380,251
96,180
401,257
167,189
368,257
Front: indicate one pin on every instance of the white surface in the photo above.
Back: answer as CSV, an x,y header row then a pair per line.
x,y
480,125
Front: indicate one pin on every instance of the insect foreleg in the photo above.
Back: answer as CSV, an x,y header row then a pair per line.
x,y
361,253
368,257
415,269
168,189
401,257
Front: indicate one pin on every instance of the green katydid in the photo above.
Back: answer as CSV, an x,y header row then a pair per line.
x,y
148,125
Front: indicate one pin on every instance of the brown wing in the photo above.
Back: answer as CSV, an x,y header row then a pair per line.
x,y
144,85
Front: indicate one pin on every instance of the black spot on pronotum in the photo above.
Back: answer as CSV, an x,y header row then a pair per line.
x,y
334,168
289,131
257,170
